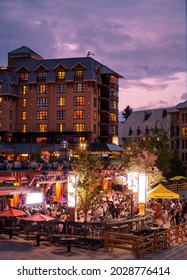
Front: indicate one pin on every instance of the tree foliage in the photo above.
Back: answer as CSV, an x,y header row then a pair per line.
x,y
159,145
137,159
126,112
90,182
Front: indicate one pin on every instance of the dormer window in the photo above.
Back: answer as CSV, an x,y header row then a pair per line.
x,y
146,130
79,74
138,131
130,131
23,76
42,76
61,75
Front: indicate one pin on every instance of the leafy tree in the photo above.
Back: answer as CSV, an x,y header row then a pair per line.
x,y
90,182
136,159
159,145
127,112
176,167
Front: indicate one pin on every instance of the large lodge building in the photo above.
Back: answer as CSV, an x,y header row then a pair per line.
x,y
47,100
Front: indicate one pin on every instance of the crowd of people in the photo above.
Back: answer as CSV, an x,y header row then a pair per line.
x,y
114,205
174,211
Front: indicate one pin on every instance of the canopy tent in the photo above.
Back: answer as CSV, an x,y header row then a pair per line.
x,y
161,192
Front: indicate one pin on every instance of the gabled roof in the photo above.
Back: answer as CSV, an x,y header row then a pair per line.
x,y
88,63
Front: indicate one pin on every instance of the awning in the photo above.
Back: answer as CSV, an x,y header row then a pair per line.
x,y
161,192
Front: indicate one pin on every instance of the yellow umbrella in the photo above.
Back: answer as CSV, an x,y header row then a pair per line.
x,y
161,192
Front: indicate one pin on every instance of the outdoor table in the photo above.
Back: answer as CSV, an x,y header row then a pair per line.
x,y
56,237
69,241
10,230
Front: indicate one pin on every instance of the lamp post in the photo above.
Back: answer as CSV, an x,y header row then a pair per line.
x,y
142,193
138,183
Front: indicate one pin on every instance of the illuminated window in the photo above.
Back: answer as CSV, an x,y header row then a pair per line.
x,y
23,76
79,87
112,130
61,101
61,75
41,139
77,127
79,74
24,102
42,115
79,139
61,115
113,105
42,76
79,101
79,114
41,127
61,127
42,102
61,88
23,128
42,89
184,131
24,115
24,90
113,79
1,99
113,117
95,115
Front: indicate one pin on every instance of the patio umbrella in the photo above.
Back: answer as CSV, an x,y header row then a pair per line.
x,y
178,178
12,212
38,218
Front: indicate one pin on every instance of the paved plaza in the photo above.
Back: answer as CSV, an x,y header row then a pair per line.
x,y
20,249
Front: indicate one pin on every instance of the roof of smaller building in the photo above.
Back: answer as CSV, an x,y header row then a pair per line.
x,y
23,49
105,148
139,123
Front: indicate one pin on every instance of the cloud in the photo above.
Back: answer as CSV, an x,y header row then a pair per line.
x,y
144,42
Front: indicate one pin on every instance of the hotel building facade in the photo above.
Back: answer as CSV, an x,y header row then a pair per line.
x,y
48,100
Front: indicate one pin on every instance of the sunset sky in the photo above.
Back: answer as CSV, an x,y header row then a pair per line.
x,y
143,40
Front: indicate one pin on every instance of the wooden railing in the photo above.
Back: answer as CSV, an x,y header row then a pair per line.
x,y
178,187
141,245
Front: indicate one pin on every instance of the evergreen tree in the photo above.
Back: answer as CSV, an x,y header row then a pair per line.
x,y
127,112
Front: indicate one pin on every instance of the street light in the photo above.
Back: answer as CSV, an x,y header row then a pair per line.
x,y
138,183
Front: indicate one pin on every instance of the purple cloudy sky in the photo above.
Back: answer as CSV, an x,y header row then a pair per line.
x,y
143,40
